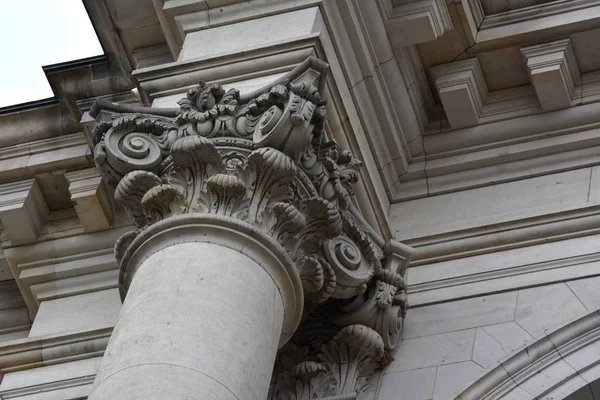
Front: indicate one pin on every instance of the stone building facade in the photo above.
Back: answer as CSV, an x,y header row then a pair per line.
x,y
308,199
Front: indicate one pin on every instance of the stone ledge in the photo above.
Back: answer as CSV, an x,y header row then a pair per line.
x,y
22,354
65,267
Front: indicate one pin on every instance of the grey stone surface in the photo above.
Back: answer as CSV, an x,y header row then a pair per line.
x,y
587,291
453,378
428,351
539,309
459,315
415,384
77,313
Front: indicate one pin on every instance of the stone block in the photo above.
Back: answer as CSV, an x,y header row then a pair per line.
x,y
452,379
91,198
429,351
587,291
554,73
77,313
23,210
413,22
545,307
249,34
493,343
459,315
462,90
414,385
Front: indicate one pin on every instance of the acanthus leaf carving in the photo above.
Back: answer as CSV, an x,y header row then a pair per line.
x,y
163,201
342,369
308,380
265,160
225,194
268,176
130,191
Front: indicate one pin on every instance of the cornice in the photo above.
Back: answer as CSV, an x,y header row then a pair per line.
x,y
497,134
570,223
21,107
537,11
522,25
23,354
27,362
412,22
67,266
26,160
73,388
498,281
182,17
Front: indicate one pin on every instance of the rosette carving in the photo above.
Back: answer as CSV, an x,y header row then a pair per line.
x,y
208,110
264,159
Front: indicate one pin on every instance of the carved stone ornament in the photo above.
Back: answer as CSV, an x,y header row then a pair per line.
x,y
265,159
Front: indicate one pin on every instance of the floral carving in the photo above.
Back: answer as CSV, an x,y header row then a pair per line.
x,y
265,160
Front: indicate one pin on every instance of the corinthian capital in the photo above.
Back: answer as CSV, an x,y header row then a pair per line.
x,y
263,159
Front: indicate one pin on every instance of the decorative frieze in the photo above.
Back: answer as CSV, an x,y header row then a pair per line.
x,y
264,160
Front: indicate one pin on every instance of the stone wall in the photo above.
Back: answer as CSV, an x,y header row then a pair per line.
x,y
477,308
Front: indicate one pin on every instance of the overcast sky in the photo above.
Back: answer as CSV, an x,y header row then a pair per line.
x,y
35,33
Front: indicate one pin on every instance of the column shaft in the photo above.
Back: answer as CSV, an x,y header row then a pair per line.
x,y
200,321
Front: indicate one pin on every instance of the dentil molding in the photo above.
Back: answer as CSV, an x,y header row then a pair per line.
x,y
263,162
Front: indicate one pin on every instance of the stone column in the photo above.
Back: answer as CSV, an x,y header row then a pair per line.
x,y
209,301
246,225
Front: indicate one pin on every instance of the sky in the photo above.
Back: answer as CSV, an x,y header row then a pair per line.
x,y
34,33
